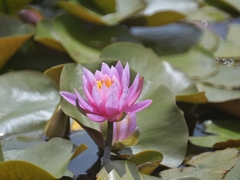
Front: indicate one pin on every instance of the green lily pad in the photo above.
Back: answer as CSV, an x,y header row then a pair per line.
x,y
233,34
86,10
230,6
234,173
80,40
209,41
209,14
227,49
49,160
122,170
210,165
151,67
12,6
146,161
162,114
222,134
160,12
196,63
28,101
12,36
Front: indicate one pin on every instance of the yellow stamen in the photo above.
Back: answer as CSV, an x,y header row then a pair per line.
x,y
107,82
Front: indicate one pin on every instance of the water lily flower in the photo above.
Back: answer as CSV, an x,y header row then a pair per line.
x,y
108,93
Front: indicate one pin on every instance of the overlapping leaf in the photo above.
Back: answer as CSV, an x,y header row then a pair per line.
x,y
122,170
160,12
223,133
86,10
45,161
12,36
12,6
28,101
210,165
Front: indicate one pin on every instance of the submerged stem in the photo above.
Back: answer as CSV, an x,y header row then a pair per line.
x,y
108,144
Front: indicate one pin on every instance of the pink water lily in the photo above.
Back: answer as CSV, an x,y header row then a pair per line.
x,y
108,94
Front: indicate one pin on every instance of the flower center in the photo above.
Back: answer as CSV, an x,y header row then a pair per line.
x,y
106,81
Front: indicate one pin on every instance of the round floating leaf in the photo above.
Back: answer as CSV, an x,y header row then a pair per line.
x,y
160,12
227,50
52,157
223,134
22,170
12,36
81,40
224,86
28,101
150,66
210,165
196,63
12,6
108,6
120,170
146,161
54,74
208,41
234,173
209,14
233,34
85,10
169,133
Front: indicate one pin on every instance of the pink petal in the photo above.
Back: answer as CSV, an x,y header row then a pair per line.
x,y
123,99
69,97
86,90
113,72
96,118
113,88
133,87
124,128
127,72
119,68
98,75
105,68
98,101
85,104
104,92
111,105
138,106
90,77
135,95
125,81
116,82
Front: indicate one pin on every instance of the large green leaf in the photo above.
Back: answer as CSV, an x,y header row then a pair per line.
x,y
122,170
223,86
52,158
12,6
12,36
222,134
84,9
233,34
151,67
28,100
234,173
196,63
210,165
1,153
160,12
163,119
82,41
209,14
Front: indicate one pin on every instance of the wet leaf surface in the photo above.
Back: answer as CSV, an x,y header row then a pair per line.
x,y
86,10
28,101
12,6
222,134
210,165
47,159
12,36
